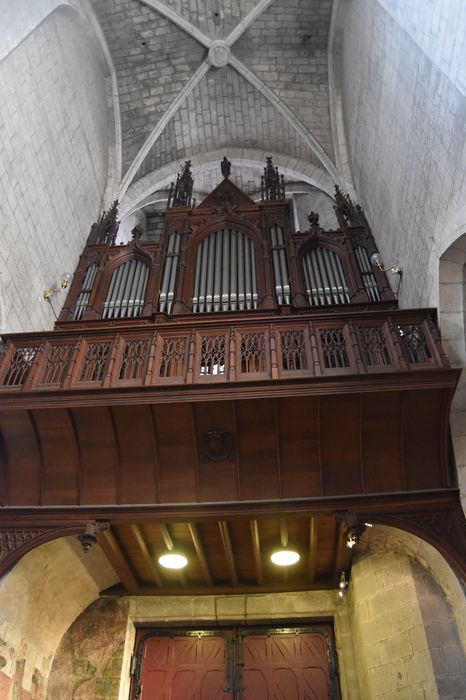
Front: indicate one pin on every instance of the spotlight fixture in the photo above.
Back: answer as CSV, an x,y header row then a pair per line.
x,y
173,560
285,557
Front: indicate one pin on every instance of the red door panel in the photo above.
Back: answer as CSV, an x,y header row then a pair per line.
x,y
184,668
285,667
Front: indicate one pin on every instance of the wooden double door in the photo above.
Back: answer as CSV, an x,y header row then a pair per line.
x,y
293,663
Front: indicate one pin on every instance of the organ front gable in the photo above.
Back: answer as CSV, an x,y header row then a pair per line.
x,y
227,254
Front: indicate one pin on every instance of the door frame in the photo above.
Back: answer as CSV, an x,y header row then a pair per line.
x,y
233,636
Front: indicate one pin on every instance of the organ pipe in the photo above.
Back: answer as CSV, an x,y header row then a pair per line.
x,y
325,278
127,290
224,275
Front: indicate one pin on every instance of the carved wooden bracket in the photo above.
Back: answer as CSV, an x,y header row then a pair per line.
x,y
14,543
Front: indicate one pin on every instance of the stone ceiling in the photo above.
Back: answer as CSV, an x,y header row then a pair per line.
x,y
198,76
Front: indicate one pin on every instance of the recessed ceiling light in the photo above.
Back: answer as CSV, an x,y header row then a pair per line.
x,y
285,557
173,560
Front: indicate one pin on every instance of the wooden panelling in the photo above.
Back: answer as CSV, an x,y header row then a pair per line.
x,y
423,417
381,442
22,470
298,430
218,480
282,449
257,449
136,446
99,455
340,425
176,452
61,459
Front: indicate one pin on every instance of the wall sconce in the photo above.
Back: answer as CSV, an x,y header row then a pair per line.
x,y
49,292
376,260
55,289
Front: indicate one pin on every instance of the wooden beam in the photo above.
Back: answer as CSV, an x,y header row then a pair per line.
x,y
146,555
256,548
168,542
283,533
226,541
117,559
311,567
194,531
343,555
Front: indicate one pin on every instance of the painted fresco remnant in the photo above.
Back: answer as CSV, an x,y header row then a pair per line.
x,y
87,664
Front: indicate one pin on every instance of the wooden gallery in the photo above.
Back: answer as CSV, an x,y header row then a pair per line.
x,y
242,439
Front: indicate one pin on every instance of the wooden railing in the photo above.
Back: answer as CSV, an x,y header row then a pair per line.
x,y
197,353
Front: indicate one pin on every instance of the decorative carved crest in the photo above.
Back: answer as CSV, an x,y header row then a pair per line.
x,y
106,228
272,183
181,193
216,446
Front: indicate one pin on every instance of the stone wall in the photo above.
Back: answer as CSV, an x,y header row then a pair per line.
x,y
407,638
53,161
404,122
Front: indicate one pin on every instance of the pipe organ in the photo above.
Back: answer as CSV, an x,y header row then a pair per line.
x,y
205,373
227,254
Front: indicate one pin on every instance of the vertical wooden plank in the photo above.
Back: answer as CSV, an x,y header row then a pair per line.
x,y
136,444
422,439
381,449
299,447
21,464
257,449
177,472
341,450
99,455
60,458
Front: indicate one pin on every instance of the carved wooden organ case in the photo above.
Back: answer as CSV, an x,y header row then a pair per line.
x,y
227,254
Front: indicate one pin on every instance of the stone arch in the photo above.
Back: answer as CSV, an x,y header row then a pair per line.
x,y
160,179
408,617
40,597
452,310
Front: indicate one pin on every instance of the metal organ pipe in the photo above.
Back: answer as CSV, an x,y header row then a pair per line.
x,y
127,290
167,288
83,297
280,265
367,274
325,278
225,277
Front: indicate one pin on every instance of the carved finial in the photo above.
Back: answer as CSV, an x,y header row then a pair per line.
x,y
272,183
136,233
347,214
226,167
105,230
313,219
181,193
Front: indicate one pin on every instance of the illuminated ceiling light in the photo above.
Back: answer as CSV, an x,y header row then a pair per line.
x,y
285,557
173,560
